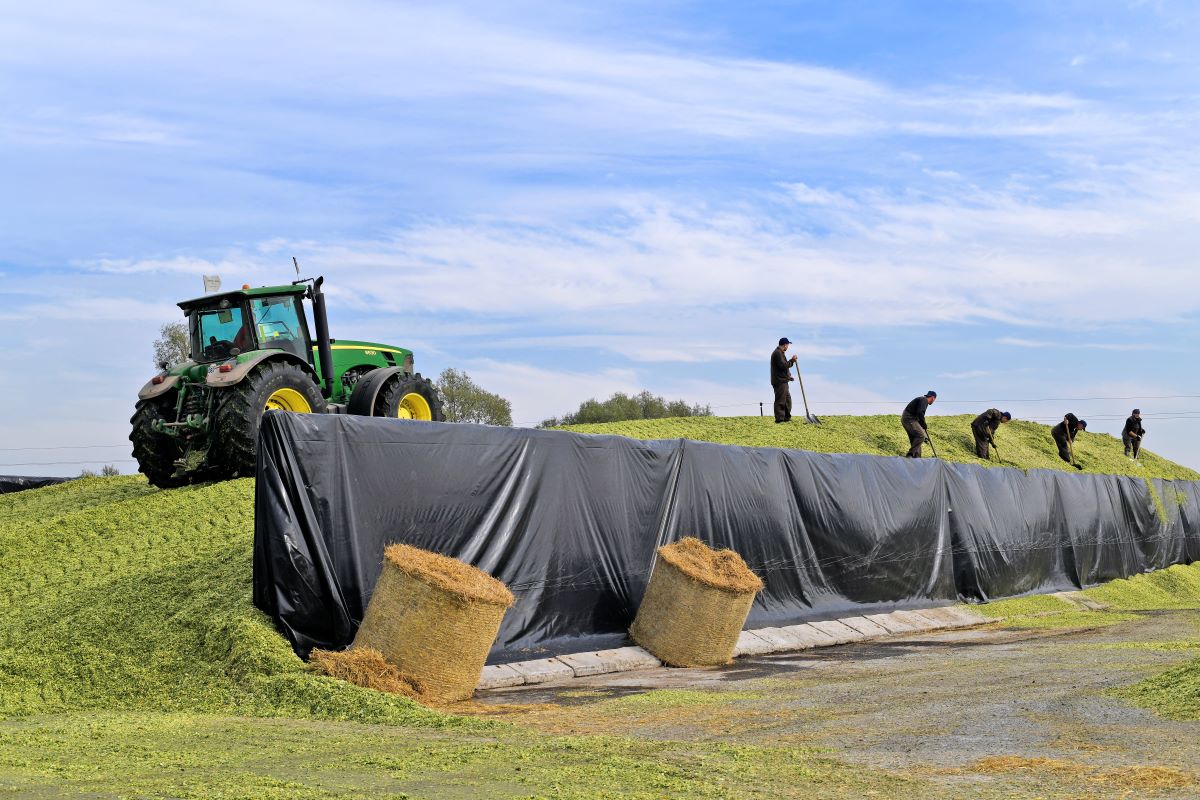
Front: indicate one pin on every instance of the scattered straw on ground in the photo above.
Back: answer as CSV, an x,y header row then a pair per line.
x,y
721,569
1138,777
1042,766
1146,778
478,709
448,574
366,667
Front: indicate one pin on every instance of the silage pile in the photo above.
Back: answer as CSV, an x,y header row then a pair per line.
x,y
1024,445
116,595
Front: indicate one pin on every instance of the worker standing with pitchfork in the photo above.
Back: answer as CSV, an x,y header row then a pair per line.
x,y
781,376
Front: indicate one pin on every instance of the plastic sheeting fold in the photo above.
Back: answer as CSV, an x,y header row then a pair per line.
x,y
571,522
19,483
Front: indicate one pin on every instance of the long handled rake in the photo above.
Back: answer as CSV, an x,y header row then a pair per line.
x,y
809,418
1071,445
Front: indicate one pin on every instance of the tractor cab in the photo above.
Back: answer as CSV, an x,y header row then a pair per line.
x,y
227,325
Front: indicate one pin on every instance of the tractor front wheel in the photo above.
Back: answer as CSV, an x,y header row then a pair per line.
x,y
155,452
273,385
410,397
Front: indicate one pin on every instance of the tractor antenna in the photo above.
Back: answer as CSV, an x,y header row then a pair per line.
x,y
298,280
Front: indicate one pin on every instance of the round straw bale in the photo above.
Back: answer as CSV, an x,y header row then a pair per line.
x,y
435,619
695,605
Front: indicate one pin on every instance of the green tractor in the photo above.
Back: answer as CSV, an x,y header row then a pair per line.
x,y
251,351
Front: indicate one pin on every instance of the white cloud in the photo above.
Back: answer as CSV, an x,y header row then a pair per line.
x,y
1014,341
656,273
616,95
965,374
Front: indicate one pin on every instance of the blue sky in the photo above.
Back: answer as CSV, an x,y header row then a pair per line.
x,y
996,200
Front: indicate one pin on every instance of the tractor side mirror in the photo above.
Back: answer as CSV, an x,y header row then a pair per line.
x,y
163,365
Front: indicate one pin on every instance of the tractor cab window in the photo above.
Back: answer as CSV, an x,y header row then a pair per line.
x,y
217,332
279,326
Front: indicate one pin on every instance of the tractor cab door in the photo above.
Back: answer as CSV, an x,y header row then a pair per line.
x,y
280,325
216,332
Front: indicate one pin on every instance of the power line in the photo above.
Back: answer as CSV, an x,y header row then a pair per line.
x,y
62,463
67,447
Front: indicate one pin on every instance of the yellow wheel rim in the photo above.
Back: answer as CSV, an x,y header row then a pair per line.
x,y
288,400
414,406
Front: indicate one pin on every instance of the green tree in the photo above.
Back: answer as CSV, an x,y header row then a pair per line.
x,y
621,407
172,344
463,400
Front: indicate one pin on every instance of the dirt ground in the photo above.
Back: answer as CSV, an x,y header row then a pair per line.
x,y
990,712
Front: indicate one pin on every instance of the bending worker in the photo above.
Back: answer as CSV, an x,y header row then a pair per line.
x,y
1064,433
984,428
1132,434
781,374
913,420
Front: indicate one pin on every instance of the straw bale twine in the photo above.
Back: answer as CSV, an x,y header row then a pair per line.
x,y
434,618
695,605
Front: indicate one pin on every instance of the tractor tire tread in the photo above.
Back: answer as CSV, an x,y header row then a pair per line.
x,y
241,409
390,394
155,452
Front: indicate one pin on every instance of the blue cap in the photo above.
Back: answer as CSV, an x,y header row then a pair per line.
x,y
1083,423
785,340
931,393
1006,415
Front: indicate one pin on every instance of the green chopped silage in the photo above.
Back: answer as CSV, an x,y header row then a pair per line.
x,y
1070,619
1174,587
1174,694
1024,445
1024,606
1177,587
118,596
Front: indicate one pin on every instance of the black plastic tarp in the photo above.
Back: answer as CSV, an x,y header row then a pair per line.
x,y
19,483
571,523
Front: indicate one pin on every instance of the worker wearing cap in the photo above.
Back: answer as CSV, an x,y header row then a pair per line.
x,y
913,420
984,428
1065,432
781,375
1132,434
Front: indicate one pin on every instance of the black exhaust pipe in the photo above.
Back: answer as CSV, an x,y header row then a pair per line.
x,y
324,348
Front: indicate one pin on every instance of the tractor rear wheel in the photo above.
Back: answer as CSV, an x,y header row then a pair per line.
x,y
155,452
273,385
410,397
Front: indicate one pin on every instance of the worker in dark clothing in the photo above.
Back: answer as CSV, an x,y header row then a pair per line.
x,y
984,428
1064,433
781,375
913,420
1132,434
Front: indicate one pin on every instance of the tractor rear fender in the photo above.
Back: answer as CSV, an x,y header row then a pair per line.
x,y
220,380
362,399
152,389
